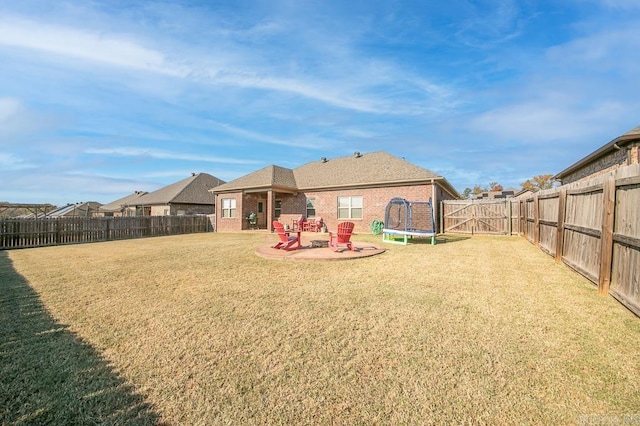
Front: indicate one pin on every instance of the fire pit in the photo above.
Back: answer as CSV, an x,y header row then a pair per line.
x,y
319,243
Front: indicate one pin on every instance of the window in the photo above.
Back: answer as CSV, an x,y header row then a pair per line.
x,y
228,207
350,207
311,210
277,211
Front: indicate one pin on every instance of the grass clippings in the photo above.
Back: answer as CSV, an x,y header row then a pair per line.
x,y
197,329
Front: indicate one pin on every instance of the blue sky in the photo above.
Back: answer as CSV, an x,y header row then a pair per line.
x,y
102,98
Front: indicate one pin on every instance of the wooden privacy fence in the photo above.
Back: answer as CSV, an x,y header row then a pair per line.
x,y
494,216
23,233
593,227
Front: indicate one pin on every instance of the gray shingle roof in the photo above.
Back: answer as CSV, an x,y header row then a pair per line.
x,y
192,190
360,169
129,200
377,168
267,177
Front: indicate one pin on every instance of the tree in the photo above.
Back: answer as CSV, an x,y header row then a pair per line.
x,y
495,186
477,189
538,183
480,189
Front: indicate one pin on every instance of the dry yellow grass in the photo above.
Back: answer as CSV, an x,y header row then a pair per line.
x,y
197,329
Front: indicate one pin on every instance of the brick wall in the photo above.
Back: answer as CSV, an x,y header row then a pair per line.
x,y
230,224
191,209
634,153
611,161
374,201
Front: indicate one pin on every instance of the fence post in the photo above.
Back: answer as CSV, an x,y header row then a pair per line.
x,y
509,213
606,239
536,222
562,198
58,235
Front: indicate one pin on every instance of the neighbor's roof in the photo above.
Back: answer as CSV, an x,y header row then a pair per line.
x,y
631,135
82,208
267,177
129,200
377,168
192,190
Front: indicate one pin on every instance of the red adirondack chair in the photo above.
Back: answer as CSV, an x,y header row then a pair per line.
x,y
342,237
316,225
298,224
287,241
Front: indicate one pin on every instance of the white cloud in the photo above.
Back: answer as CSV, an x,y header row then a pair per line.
x,y
9,107
605,49
545,121
380,87
13,162
87,45
165,155
248,134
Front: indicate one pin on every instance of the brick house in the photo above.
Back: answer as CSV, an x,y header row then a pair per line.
x,y
354,188
187,197
622,151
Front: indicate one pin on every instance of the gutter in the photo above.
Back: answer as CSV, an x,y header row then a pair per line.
x,y
614,145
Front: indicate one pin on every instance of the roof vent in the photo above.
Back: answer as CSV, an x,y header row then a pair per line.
x,y
193,173
323,159
357,154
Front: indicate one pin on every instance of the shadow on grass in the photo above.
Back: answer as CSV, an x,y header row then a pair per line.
x,y
440,239
450,238
48,375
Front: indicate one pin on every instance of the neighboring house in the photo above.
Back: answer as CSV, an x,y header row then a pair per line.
x,y
523,193
187,197
82,209
125,206
506,193
622,151
355,188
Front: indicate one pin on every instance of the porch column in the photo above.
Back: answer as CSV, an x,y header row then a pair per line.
x,y
270,210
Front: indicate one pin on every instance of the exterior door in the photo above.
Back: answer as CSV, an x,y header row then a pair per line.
x,y
261,214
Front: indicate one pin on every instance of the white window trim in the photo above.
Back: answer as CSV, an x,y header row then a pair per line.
x,y
350,207
232,206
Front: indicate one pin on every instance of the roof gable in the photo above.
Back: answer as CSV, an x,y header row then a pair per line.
x,y
270,176
192,190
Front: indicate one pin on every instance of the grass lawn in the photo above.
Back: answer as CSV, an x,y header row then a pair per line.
x,y
197,329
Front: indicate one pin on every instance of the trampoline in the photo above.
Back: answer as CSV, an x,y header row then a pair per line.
x,y
404,220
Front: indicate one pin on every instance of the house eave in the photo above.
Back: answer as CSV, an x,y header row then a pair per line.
x,y
614,145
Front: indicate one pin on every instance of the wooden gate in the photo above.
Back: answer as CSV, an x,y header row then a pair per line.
x,y
476,216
